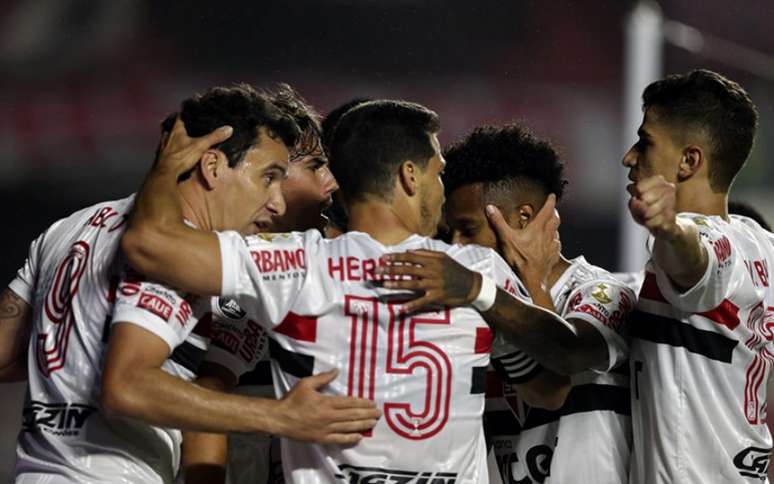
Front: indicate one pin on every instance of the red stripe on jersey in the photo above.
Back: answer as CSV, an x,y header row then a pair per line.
x,y
650,288
726,314
302,328
484,337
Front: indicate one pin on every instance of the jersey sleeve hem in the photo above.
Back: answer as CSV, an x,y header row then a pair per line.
x,y
229,263
139,317
612,341
22,289
689,299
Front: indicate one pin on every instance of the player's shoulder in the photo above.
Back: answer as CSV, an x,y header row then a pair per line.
x,y
586,274
109,214
307,238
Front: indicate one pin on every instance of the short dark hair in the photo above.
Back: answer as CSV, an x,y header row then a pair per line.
x,y
747,210
307,119
508,156
373,139
706,101
332,119
244,109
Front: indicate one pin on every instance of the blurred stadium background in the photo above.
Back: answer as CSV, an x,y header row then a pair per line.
x,y
86,83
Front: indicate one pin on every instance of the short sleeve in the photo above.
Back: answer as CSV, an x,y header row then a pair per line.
x,y
164,312
715,284
606,305
237,343
25,281
265,273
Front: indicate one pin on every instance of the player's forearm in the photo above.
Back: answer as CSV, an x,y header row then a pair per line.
x,y
205,455
547,390
681,255
158,244
541,333
158,398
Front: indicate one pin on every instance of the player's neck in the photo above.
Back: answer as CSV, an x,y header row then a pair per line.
x,y
701,200
380,220
559,268
194,205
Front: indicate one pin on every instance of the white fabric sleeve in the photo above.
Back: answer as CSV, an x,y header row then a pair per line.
x,y
26,277
154,307
606,305
715,284
265,273
237,343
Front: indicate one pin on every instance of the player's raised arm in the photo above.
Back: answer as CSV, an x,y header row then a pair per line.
x,y
677,248
157,242
531,258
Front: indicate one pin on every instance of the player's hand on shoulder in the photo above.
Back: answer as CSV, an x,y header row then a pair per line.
x,y
307,415
179,152
436,278
533,250
652,205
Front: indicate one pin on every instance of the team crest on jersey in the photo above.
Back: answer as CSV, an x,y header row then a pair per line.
x,y
230,308
600,293
376,475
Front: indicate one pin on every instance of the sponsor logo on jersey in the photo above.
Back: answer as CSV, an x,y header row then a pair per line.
x,y
533,467
230,308
281,262
62,419
156,305
600,294
753,462
375,475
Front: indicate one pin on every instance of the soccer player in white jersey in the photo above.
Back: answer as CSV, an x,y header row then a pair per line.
x,y
701,333
326,307
512,170
58,311
307,192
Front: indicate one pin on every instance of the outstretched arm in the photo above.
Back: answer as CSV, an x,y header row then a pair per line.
x,y
135,386
157,242
15,326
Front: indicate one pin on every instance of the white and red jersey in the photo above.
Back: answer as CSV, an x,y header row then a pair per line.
x,y
323,308
589,438
69,279
700,360
72,278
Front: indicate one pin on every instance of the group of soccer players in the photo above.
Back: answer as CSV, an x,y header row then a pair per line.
x,y
148,327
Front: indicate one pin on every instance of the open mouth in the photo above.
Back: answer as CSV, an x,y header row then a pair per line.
x,y
262,225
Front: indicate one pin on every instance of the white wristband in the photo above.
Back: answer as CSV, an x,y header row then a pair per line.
x,y
486,297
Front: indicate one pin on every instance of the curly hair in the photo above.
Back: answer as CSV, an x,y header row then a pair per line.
x,y
307,119
706,101
504,159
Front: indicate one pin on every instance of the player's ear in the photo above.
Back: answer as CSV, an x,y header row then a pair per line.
x,y
211,167
408,177
521,216
691,162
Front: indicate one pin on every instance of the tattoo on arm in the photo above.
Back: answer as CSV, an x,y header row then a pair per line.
x,y
11,305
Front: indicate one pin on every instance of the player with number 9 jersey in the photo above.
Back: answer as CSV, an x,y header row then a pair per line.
x,y
324,308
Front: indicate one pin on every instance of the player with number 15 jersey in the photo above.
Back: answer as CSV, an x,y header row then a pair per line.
x,y
323,309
